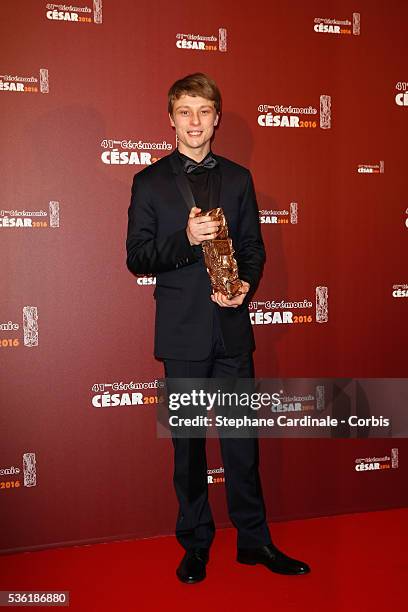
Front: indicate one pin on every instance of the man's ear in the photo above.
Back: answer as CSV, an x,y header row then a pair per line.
x,y
217,118
171,121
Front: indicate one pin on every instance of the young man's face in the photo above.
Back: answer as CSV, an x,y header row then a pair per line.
x,y
194,119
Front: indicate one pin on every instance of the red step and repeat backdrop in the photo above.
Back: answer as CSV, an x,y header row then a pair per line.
x,y
316,104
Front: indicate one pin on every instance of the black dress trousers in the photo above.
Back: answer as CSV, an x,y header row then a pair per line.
x,y
195,526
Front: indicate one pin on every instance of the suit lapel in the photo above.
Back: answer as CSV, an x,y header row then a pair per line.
x,y
182,181
185,190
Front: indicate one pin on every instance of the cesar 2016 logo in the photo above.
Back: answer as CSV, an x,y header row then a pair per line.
x,y
278,115
197,42
272,312
76,14
26,84
30,330
29,473
401,98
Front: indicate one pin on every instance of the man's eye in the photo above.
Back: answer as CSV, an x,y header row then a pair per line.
x,y
205,112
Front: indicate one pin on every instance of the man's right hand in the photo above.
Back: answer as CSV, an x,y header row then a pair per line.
x,y
200,228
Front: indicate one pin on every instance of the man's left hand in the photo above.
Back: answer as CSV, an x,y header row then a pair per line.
x,y
220,299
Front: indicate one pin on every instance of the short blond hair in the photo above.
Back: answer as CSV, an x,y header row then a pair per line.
x,y
197,84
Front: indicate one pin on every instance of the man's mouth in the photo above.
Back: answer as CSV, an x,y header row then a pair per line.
x,y
195,133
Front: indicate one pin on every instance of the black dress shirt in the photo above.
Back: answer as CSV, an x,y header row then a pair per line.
x,y
201,182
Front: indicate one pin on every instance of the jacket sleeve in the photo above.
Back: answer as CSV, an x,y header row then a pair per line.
x,y
147,254
250,250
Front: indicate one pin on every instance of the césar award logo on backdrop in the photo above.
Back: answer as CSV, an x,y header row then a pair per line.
x,y
13,477
26,84
284,216
133,152
375,168
288,312
75,14
279,115
31,219
329,25
15,334
401,97
199,42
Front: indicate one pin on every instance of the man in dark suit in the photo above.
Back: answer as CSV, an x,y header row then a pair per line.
x,y
198,333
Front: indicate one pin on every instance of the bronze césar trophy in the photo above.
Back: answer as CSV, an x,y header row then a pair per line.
x,y
219,258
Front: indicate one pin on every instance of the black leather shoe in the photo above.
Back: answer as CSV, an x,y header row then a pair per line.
x,y
192,566
273,559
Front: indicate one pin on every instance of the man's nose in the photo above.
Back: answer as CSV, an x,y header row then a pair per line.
x,y
195,118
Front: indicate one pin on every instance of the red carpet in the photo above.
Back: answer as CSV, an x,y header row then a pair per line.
x,y
358,563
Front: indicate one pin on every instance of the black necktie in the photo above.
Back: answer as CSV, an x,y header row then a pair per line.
x,y
190,165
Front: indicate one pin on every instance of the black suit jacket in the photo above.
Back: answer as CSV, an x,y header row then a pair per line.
x,y
157,244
